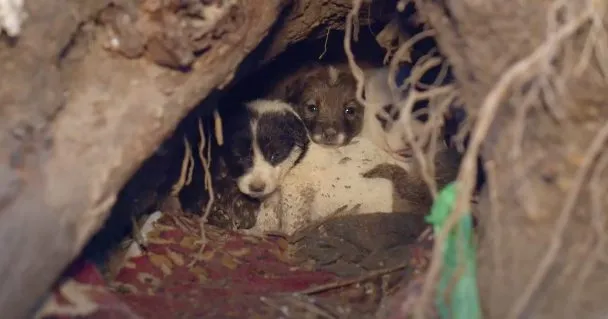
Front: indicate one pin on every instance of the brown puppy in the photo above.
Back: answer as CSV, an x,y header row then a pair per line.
x,y
324,97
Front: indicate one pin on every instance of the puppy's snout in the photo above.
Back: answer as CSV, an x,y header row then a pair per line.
x,y
328,136
330,133
257,186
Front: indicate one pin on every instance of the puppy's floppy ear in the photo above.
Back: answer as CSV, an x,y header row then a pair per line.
x,y
292,90
298,130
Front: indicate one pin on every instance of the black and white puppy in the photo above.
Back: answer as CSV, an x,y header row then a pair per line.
x,y
263,140
328,181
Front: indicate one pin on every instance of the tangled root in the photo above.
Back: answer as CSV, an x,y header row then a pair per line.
x,y
556,80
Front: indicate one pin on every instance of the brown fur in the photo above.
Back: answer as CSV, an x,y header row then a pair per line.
x,y
410,190
313,85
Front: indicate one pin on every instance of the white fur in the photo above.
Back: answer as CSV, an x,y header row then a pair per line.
x,y
261,106
11,16
377,95
317,137
338,140
262,171
325,181
322,183
134,250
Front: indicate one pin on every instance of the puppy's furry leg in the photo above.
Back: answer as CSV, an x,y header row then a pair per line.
x,y
298,209
269,219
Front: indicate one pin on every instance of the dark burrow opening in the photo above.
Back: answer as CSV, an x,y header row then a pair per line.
x,y
150,187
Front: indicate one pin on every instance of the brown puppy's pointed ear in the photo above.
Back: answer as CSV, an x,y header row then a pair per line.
x,y
292,91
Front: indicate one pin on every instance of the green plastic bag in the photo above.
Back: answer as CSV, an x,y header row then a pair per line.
x,y
459,271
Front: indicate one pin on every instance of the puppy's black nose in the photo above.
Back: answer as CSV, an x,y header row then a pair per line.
x,y
257,186
330,133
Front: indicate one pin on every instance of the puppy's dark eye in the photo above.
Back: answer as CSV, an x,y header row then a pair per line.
x,y
350,109
277,157
311,106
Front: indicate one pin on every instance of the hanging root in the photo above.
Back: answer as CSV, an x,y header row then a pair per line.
x,y
441,95
348,35
418,140
444,96
596,147
219,131
598,220
325,44
206,162
537,72
185,176
520,72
